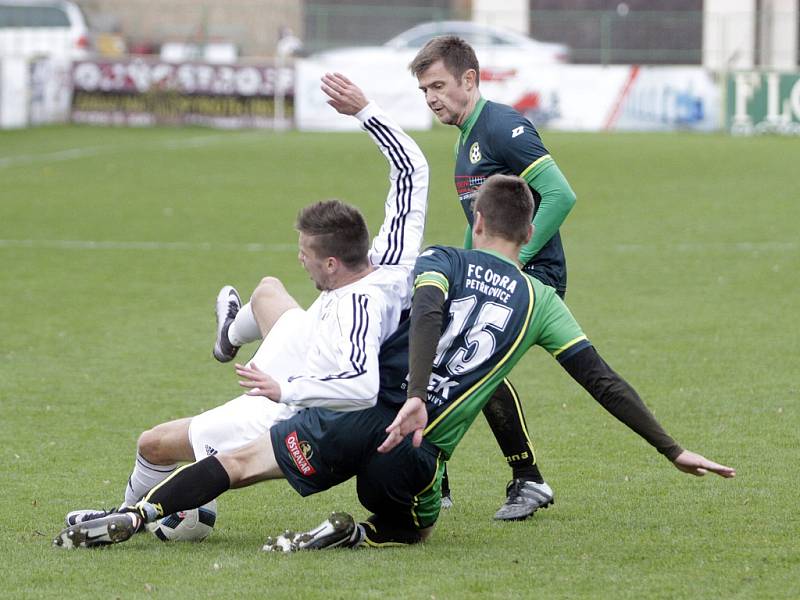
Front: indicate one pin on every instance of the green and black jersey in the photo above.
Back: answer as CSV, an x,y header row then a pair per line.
x,y
493,314
494,139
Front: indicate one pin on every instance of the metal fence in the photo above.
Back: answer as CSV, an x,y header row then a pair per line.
x,y
331,26
611,37
594,36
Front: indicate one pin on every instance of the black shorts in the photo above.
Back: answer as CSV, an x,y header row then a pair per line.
x,y
320,448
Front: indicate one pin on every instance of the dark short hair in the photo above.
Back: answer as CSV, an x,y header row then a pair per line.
x,y
338,230
457,55
506,204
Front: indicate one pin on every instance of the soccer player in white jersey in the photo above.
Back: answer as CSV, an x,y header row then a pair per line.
x,y
324,356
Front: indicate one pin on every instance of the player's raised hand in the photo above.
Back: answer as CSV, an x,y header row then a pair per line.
x,y
695,464
412,417
258,382
345,96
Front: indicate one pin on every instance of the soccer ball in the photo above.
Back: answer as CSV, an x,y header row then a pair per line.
x,y
186,526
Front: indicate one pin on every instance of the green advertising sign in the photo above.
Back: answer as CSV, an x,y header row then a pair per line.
x,y
763,102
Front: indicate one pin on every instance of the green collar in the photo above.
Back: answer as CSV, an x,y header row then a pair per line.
x,y
498,255
466,127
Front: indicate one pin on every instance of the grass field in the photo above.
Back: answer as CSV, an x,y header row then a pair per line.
x,y
683,253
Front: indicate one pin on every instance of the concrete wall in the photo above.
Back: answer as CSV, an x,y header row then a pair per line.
x,y
778,34
729,34
251,24
507,14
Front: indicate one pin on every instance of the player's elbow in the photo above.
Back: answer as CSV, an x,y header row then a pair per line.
x,y
569,198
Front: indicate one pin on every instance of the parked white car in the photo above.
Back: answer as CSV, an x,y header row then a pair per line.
x,y
495,48
43,28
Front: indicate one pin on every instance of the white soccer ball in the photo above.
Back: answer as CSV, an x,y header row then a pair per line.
x,y
186,526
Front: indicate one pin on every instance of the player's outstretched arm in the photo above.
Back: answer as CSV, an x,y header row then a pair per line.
x,y
698,465
344,95
400,237
620,399
412,418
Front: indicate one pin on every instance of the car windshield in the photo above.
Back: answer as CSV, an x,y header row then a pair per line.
x,y
473,38
32,16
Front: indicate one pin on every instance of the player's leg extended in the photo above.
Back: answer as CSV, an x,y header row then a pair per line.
x,y
527,492
188,487
197,484
159,450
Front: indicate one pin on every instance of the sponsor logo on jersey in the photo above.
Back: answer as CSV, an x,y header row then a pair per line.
x,y
475,153
210,451
300,451
467,186
517,131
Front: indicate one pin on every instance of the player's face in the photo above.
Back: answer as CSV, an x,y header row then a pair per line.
x,y
448,97
317,267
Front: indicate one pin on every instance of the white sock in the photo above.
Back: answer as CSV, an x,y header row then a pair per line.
x,y
244,328
145,477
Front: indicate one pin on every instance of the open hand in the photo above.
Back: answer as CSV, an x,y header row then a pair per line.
x,y
413,417
258,382
345,96
695,464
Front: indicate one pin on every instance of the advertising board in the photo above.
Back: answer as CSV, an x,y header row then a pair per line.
x,y
763,102
141,92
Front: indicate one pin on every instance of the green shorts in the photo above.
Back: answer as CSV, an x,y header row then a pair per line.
x,y
319,448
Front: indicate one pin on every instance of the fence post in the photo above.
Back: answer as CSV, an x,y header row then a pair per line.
x,y
605,39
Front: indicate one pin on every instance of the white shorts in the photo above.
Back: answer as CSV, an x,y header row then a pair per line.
x,y
243,419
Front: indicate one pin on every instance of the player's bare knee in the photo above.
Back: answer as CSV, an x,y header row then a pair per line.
x,y
268,289
149,445
160,444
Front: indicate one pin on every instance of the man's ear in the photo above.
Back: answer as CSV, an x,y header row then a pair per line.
x,y
529,237
469,79
477,223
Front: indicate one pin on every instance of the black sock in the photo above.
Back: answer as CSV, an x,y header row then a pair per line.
x,y
503,412
445,482
381,531
191,486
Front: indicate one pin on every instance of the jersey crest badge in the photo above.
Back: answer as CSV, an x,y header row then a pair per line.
x,y
517,131
475,153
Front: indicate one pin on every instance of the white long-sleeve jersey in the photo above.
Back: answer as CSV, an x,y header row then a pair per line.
x,y
350,323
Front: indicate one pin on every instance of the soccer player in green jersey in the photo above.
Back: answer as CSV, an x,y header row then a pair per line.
x,y
474,315
496,139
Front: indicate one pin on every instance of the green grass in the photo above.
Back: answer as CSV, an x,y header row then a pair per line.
x,y
683,255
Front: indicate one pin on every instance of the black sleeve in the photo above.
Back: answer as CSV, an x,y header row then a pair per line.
x,y
619,398
426,328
